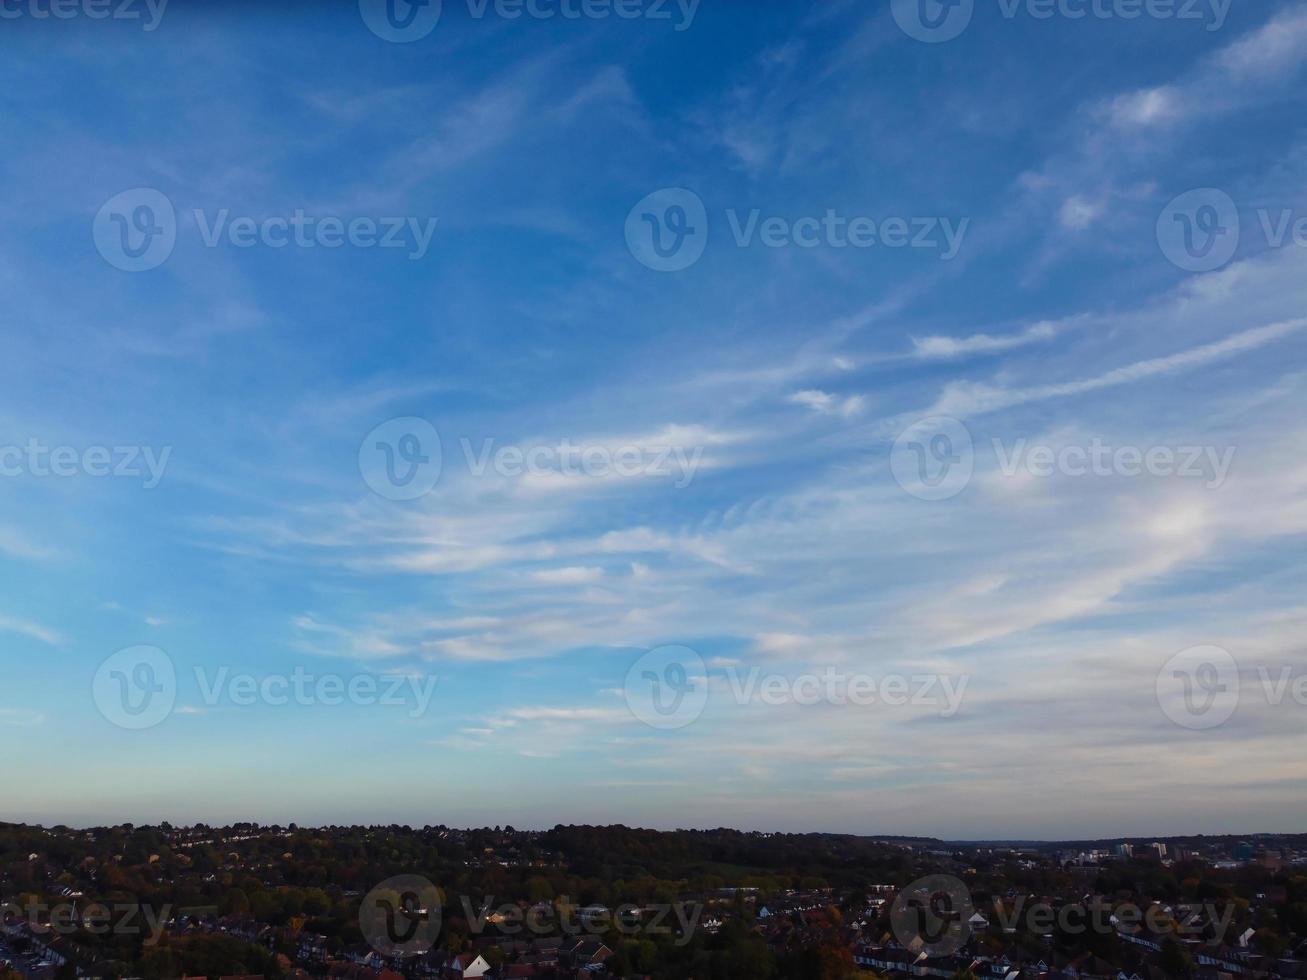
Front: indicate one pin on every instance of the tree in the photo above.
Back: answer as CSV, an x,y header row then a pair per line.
x,y
1174,960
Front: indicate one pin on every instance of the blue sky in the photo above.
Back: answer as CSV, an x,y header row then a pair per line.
x,y
1052,146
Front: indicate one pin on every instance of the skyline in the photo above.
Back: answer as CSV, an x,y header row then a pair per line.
x,y
861,389
876,837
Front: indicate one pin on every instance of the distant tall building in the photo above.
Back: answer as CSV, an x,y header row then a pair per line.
x,y
1124,850
1159,848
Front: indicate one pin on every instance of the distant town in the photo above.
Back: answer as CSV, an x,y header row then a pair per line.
x,y
597,903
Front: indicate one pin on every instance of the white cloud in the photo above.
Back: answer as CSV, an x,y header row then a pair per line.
x,y
1077,213
611,715
21,717
929,348
28,628
828,404
1146,107
572,575
1272,50
968,399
